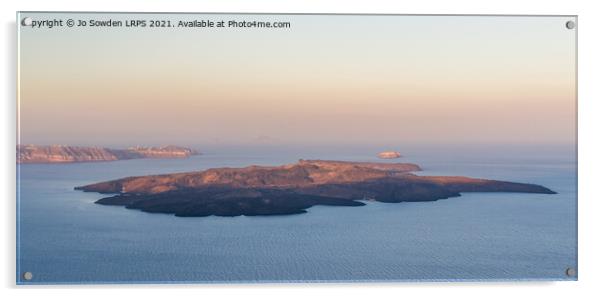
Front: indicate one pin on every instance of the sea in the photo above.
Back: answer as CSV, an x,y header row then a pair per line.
x,y
64,238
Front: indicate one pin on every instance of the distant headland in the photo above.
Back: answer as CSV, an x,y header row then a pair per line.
x,y
70,154
289,189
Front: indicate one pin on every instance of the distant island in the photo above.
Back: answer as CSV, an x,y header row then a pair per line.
x,y
70,154
389,155
289,189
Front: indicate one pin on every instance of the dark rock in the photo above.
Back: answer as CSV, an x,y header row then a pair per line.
x,y
289,189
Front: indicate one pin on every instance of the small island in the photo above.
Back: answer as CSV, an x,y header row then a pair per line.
x,y
389,155
289,189
71,154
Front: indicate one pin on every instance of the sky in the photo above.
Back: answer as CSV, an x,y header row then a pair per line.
x,y
326,80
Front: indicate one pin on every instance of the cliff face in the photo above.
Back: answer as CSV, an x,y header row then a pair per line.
x,y
68,154
288,189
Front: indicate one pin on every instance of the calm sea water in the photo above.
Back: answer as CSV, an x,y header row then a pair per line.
x,y
63,237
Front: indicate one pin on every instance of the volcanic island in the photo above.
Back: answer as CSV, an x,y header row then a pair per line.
x,y
290,189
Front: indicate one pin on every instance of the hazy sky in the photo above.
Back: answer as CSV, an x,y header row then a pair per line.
x,y
326,80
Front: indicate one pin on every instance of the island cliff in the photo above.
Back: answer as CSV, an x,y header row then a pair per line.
x,y
69,154
289,189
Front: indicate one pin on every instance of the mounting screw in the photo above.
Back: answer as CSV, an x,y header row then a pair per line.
x,y
27,275
570,25
27,21
570,272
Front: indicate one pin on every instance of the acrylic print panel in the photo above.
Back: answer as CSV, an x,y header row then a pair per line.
x,y
161,147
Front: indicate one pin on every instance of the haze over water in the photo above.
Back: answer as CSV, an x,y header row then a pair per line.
x,y
326,80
